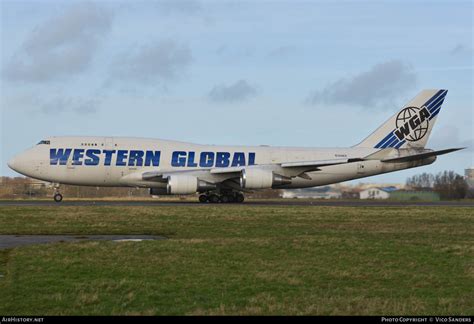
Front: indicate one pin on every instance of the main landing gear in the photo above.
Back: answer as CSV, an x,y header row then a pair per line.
x,y
224,197
57,195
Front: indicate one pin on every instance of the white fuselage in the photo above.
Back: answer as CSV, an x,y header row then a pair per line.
x,y
113,161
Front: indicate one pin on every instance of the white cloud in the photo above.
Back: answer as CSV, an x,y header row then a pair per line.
x,y
462,50
237,92
157,62
60,47
382,83
69,104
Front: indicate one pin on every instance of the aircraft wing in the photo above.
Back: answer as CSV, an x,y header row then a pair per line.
x,y
227,170
154,176
316,164
420,156
286,169
302,166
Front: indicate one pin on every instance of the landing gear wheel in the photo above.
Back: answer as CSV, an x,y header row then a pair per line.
x,y
203,198
58,197
214,199
226,199
239,198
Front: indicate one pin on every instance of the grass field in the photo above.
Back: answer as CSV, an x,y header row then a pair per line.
x,y
242,260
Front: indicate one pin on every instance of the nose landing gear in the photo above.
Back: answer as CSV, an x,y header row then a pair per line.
x,y
57,195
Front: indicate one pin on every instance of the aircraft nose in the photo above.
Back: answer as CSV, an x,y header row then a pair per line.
x,y
25,163
12,163
20,163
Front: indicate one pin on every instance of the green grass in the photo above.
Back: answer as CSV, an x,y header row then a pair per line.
x,y
242,260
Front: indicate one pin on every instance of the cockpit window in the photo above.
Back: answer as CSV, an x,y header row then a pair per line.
x,y
44,142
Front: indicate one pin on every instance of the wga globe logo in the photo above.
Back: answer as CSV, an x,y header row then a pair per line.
x,y
412,123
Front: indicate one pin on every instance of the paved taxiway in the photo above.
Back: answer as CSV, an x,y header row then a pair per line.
x,y
289,202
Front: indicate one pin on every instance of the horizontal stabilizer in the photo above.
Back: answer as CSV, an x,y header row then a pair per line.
x,y
420,156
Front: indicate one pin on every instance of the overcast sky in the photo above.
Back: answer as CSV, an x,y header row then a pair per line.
x,y
289,73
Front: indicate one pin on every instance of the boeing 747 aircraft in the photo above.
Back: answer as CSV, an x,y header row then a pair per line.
x,y
225,173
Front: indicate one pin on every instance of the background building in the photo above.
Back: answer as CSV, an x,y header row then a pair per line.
x,y
326,192
377,193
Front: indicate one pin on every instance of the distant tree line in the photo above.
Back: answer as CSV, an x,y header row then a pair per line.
x,y
448,184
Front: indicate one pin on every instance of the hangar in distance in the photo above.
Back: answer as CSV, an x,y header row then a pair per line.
x,y
225,173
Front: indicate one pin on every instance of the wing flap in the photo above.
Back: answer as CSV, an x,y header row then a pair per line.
x,y
227,170
317,164
154,176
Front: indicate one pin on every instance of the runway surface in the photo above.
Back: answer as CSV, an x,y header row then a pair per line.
x,y
10,241
282,202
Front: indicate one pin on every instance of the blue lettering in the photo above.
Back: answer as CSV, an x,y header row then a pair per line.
x,y
152,157
206,159
191,162
108,156
178,159
251,158
93,159
121,156
222,159
60,155
239,159
77,156
135,158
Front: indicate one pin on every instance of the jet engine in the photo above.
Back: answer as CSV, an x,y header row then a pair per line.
x,y
181,184
254,178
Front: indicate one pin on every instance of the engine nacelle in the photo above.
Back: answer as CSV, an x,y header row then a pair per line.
x,y
181,184
255,178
